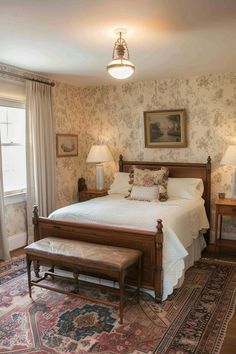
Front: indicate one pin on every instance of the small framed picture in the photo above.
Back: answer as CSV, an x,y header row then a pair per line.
x,y
67,145
165,129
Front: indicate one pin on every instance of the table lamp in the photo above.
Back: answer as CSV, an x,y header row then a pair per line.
x,y
99,154
229,159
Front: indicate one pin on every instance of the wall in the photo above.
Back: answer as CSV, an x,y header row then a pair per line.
x,y
114,115
16,224
15,218
68,116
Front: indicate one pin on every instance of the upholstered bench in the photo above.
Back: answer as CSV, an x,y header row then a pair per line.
x,y
86,258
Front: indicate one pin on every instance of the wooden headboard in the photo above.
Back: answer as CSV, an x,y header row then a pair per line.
x,y
179,169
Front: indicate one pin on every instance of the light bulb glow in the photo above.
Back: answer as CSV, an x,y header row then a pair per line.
x,y
120,68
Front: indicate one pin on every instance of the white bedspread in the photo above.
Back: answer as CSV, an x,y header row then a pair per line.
x,y
182,220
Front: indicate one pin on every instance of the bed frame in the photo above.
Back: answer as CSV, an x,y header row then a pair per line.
x,y
150,243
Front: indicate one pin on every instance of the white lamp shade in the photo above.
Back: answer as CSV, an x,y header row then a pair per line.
x,y
99,154
229,157
120,68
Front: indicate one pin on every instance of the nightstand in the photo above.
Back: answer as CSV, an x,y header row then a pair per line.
x,y
91,194
223,207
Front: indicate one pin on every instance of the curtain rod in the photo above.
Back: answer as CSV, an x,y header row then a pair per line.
x,y
27,78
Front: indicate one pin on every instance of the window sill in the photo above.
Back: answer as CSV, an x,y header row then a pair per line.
x,y
15,198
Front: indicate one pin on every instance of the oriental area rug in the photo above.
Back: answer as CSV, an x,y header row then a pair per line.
x,y
192,320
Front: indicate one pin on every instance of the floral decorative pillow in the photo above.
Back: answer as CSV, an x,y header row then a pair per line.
x,y
149,178
161,179
144,178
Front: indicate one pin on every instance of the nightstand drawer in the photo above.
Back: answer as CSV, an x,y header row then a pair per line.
x,y
91,194
227,209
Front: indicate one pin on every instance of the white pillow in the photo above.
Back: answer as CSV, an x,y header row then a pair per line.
x,y
187,188
144,193
120,184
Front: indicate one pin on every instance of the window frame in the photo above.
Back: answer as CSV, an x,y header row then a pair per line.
x,y
18,194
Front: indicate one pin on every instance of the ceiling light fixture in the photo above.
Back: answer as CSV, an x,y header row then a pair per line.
x,y
120,67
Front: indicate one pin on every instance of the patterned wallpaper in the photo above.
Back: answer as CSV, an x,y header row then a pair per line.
x,y
113,115
15,218
69,119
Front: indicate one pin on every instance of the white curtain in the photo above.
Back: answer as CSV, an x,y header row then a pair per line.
x,y
40,151
4,246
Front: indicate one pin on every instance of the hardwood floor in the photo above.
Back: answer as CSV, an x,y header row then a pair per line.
x,y
228,253
16,253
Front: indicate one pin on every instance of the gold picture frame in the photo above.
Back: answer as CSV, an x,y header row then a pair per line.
x,y
165,129
66,145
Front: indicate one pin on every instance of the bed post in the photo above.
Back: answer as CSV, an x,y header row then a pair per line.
x,y
208,197
121,163
35,219
158,262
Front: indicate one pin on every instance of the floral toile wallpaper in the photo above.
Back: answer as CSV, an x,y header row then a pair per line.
x,y
15,218
69,119
113,115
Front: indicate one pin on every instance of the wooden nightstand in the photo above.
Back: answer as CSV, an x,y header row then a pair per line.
x,y
91,194
223,207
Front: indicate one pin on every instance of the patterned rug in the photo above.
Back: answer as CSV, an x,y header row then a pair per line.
x,y
192,320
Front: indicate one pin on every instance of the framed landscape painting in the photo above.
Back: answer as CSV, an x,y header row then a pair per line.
x,y
165,129
67,145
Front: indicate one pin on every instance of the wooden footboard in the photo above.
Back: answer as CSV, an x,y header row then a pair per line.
x,y
150,243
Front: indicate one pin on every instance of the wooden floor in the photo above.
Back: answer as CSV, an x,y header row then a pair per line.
x,y
227,252
15,253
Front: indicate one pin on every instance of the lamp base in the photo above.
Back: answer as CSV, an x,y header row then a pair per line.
x,y
99,177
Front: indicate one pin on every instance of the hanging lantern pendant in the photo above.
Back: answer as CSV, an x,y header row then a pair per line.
x,y
120,67
120,49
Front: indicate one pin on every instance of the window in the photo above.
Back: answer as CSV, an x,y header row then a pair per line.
x,y
12,128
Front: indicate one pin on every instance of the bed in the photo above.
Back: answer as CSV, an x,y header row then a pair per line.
x,y
164,255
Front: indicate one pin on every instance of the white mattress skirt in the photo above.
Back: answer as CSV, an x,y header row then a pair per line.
x,y
194,254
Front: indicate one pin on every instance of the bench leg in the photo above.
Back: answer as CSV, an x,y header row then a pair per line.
x,y
139,278
28,262
76,279
52,270
122,295
36,268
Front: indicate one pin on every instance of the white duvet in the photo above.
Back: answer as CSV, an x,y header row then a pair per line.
x,y
182,220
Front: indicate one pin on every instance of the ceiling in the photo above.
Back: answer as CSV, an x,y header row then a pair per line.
x,y
72,40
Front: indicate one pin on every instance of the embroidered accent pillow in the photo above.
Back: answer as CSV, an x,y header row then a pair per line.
x,y
148,194
149,178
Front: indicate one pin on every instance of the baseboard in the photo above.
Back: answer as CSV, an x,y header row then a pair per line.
x,y
17,241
